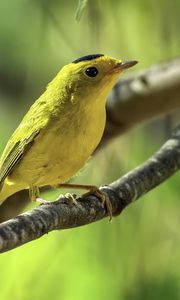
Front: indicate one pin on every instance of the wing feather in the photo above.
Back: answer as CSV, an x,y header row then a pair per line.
x,y
13,154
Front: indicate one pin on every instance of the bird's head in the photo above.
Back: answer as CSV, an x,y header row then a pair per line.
x,y
93,75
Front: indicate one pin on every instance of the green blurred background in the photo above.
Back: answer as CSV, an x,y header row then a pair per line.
x,y
136,256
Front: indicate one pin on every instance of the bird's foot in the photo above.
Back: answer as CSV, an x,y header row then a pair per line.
x,y
42,201
103,197
70,197
92,190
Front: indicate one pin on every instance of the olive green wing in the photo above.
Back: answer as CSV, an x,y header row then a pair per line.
x,y
13,154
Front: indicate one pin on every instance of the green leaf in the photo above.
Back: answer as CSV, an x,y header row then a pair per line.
x,y
81,6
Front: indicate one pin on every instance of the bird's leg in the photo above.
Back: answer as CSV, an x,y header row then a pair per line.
x,y
34,195
92,190
33,192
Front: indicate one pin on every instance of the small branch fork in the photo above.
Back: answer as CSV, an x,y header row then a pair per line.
x,y
63,214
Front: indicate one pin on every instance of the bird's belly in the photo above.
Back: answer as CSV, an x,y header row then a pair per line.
x,y
55,158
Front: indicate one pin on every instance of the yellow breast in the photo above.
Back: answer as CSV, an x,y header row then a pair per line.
x,y
63,147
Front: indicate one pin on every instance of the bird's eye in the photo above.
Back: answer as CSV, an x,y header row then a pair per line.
x,y
91,72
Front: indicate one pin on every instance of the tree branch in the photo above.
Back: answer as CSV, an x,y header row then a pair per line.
x,y
62,214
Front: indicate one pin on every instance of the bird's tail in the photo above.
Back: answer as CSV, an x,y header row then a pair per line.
x,y
7,189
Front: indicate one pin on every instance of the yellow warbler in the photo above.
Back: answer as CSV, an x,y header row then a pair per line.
x,y
62,128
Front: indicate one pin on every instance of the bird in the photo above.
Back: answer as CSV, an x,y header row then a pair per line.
x,y
61,129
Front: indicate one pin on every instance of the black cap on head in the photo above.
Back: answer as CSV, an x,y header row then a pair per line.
x,y
87,57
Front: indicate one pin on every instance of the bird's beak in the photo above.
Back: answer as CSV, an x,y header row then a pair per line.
x,y
124,65
127,64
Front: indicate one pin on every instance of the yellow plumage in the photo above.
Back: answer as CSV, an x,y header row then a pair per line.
x,y
62,128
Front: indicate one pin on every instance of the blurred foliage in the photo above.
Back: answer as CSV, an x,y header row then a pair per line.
x,y
137,256
81,6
